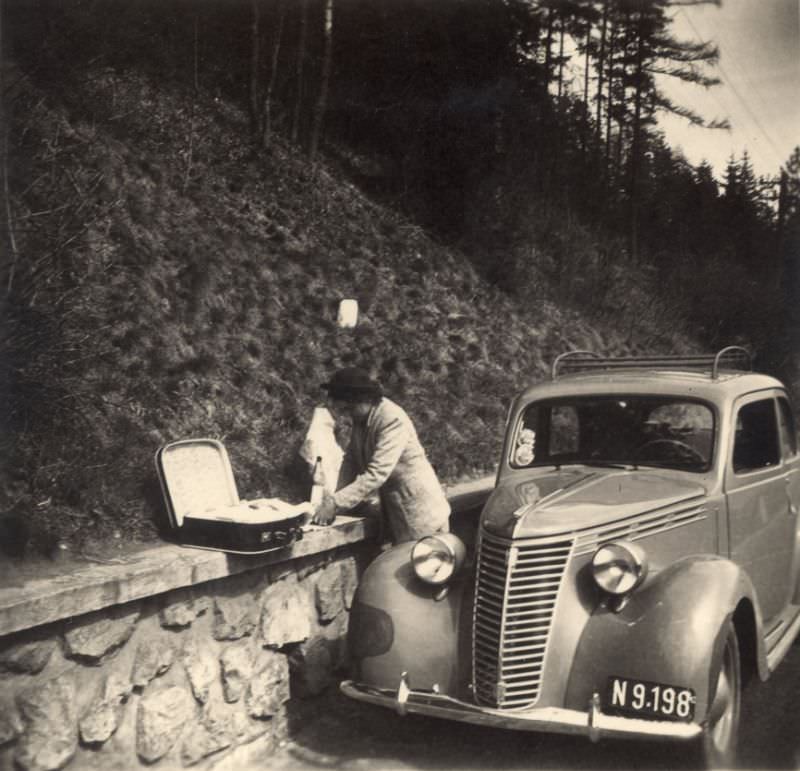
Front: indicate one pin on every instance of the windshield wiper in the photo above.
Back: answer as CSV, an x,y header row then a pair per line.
x,y
598,464
673,466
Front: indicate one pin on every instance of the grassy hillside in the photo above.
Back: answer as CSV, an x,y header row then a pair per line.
x,y
171,282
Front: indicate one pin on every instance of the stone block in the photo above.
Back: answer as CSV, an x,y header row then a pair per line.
x,y
214,731
268,689
312,665
254,754
153,658
234,617
299,568
285,614
160,720
280,727
328,596
49,713
237,662
201,667
245,728
312,564
349,569
93,637
10,721
181,608
26,655
336,635
104,714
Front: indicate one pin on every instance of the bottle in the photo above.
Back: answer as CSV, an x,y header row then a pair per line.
x,y
317,483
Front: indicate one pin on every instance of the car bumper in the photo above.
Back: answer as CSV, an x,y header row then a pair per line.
x,y
592,723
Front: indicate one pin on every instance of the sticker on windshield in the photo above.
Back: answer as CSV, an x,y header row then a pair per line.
x,y
524,455
526,442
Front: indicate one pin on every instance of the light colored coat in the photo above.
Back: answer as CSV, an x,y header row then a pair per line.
x,y
385,457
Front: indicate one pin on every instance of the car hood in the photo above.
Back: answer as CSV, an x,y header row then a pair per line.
x,y
567,500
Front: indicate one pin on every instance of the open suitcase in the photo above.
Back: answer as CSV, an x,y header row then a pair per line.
x,y
204,508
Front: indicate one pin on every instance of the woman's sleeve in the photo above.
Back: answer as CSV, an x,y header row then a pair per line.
x,y
391,441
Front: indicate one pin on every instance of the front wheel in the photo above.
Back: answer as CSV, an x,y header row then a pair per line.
x,y
717,745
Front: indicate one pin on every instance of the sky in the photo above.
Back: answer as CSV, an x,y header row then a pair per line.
x,y
759,66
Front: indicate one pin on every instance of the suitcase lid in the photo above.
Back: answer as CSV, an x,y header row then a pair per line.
x,y
196,476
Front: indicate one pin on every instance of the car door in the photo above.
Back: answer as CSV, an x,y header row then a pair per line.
x,y
791,458
761,516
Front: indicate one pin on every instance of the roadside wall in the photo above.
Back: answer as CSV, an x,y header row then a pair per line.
x,y
180,676
178,657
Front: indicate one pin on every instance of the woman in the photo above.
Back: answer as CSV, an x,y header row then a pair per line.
x,y
384,457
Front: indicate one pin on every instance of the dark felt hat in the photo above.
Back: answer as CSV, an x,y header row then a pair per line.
x,y
352,383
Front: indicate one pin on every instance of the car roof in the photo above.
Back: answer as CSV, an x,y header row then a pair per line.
x,y
698,385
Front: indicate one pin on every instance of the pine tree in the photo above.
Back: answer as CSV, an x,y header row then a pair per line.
x,y
651,51
789,243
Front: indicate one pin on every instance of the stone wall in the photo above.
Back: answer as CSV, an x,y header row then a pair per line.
x,y
177,658
195,677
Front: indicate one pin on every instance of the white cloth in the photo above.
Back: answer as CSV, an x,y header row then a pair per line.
x,y
320,442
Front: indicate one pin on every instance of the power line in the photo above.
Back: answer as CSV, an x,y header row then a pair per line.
x,y
736,93
746,78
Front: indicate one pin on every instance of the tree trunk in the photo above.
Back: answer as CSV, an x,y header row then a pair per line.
x,y
273,77
301,57
548,53
788,270
561,61
255,56
636,142
196,53
609,90
319,112
601,61
586,85
586,67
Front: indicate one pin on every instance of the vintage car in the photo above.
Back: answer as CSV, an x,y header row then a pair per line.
x,y
635,564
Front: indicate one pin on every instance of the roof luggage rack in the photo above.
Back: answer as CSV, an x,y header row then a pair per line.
x,y
733,357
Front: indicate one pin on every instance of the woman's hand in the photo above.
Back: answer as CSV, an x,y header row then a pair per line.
x,y
326,512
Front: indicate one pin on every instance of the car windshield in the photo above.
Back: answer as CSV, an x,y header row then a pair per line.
x,y
634,430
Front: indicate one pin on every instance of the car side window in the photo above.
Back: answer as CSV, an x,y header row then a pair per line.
x,y
756,442
787,428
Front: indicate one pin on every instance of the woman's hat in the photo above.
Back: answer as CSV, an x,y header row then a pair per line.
x,y
352,383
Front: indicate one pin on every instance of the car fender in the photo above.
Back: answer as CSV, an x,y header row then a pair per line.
x,y
671,631
400,624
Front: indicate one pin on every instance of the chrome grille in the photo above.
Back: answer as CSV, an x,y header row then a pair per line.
x,y
515,596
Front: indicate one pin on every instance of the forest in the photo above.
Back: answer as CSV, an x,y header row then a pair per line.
x,y
521,133
468,116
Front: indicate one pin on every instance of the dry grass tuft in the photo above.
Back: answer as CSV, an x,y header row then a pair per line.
x,y
167,295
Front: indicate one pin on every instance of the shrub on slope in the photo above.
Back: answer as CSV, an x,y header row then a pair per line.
x,y
170,282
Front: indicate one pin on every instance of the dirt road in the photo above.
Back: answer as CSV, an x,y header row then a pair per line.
x,y
342,734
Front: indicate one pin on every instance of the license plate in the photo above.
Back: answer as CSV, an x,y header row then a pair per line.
x,y
638,698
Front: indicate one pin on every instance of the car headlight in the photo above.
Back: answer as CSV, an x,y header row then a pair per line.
x,y
618,568
437,558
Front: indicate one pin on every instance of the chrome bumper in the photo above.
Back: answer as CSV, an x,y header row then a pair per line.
x,y
592,723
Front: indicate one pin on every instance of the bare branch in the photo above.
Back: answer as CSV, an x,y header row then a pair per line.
x,y
687,74
9,219
667,105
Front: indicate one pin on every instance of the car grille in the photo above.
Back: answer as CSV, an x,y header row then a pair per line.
x,y
516,590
